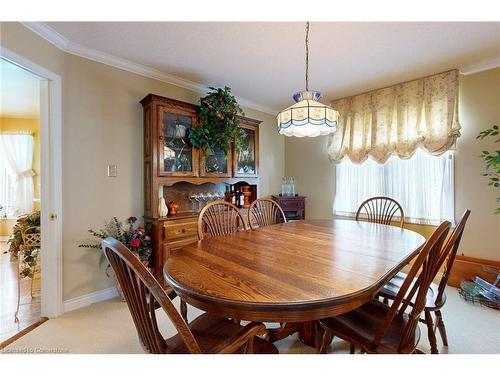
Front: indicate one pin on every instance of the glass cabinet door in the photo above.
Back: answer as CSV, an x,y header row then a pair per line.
x,y
177,156
246,158
217,164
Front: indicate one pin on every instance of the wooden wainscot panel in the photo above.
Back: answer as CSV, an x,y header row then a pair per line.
x,y
466,268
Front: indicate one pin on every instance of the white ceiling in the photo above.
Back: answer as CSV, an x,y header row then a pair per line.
x,y
264,62
19,92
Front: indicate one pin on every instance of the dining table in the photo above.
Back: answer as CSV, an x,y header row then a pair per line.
x,y
293,273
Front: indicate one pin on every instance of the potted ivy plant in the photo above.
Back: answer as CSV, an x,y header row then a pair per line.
x,y
492,160
218,113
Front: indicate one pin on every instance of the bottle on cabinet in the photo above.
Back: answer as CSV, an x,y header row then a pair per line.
x,y
288,187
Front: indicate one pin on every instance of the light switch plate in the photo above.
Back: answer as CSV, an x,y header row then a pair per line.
x,y
112,169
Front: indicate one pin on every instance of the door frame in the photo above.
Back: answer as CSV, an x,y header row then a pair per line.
x,y
51,182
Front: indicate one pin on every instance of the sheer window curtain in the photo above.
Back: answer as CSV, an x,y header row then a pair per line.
x,y
16,150
423,185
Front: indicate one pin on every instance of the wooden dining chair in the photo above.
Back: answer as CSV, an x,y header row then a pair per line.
x,y
264,212
381,210
206,334
436,296
379,328
219,218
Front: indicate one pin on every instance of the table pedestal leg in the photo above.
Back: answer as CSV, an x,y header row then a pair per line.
x,y
285,330
307,333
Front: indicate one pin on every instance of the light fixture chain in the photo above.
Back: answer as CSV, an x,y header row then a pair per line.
x,y
307,56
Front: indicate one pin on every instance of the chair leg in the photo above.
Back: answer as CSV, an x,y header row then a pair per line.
x,y
32,280
441,327
352,349
16,318
430,332
184,310
325,342
249,346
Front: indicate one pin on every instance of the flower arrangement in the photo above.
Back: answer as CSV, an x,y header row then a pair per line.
x,y
218,126
128,233
492,160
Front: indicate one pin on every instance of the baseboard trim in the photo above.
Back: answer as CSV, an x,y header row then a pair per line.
x,y
88,299
4,238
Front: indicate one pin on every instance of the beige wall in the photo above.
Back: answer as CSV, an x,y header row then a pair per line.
x,y
479,109
307,161
102,124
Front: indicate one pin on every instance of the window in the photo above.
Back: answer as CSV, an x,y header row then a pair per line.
x,y
423,185
7,190
16,173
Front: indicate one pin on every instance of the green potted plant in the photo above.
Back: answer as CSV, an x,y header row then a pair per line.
x,y
218,126
492,160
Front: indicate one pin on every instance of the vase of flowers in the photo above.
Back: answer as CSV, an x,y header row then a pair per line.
x,y
127,232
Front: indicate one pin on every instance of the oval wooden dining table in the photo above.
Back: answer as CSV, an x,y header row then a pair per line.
x,y
300,271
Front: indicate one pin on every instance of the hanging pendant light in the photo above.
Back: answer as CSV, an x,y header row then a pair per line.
x,y
308,117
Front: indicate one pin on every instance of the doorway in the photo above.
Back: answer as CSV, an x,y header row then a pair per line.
x,y
45,272
20,203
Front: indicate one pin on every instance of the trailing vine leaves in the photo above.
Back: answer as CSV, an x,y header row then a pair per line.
x,y
492,160
218,113
30,255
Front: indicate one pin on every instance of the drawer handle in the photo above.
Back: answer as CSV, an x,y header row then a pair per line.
x,y
183,230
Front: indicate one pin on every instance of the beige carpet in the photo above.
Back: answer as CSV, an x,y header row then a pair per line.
x,y
107,327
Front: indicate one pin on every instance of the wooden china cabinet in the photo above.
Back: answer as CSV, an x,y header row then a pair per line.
x,y
178,172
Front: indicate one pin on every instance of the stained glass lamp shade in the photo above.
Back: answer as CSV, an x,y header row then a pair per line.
x,y
307,117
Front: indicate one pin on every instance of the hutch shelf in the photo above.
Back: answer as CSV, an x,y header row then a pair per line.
x,y
180,173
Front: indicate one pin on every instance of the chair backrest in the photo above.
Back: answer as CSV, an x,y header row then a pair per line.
x,y
380,210
450,252
31,236
144,294
219,218
423,271
264,212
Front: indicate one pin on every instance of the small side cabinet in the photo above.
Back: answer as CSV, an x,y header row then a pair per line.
x,y
294,207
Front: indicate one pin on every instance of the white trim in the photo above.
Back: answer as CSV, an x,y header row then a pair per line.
x,y
4,238
68,46
485,65
51,182
88,299
48,33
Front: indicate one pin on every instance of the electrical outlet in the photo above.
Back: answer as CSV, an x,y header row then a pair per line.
x,y
112,169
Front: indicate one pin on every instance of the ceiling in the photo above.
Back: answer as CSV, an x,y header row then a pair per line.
x,y
19,92
263,62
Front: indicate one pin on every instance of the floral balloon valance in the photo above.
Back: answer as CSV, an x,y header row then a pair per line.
x,y
396,120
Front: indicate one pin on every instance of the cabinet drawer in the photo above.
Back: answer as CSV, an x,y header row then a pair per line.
x,y
173,232
169,247
292,205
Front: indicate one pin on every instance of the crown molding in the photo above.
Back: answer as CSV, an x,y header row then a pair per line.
x,y
48,33
485,65
66,45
